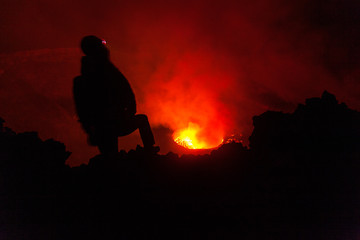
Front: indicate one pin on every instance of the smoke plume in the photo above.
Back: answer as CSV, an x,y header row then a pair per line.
x,y
205,65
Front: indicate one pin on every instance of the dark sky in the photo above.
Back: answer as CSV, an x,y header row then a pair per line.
x,y
214,64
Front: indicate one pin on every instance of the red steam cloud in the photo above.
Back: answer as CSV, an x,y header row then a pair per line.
x,y
213,64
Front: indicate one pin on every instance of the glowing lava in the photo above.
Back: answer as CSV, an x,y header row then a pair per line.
x,y
192,138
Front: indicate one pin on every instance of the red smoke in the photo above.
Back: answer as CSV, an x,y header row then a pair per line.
x,y
208,64
188,98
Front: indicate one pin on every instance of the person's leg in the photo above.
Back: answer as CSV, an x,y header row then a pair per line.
x,y
108,145
146,134
141,122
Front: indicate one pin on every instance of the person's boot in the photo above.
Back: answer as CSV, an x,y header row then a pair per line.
x,y
151,149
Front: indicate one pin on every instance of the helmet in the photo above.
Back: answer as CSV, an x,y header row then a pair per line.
x,y
92,46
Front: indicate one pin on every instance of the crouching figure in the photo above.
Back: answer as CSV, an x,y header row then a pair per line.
x,y
105,102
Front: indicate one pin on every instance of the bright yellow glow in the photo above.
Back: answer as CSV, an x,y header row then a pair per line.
x,y
190,138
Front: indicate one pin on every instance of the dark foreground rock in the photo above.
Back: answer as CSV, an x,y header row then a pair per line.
x,y
298,180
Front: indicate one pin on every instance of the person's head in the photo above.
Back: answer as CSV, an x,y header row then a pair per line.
x,y
94,46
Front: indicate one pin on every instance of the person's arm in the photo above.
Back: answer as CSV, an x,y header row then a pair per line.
x,y
81,104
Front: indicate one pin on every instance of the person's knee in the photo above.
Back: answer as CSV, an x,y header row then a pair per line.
x,y
142,118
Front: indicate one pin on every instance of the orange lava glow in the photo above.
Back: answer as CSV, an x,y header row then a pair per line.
x,y
187,96
189,138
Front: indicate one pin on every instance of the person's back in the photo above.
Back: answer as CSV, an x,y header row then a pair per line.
x,y
121,99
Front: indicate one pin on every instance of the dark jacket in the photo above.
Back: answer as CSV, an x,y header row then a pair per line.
x,y
102,94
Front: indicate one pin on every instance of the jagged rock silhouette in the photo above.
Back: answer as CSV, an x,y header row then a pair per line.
x,y
297,180
320,125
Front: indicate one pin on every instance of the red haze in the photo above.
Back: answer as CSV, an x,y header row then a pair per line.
x,y
214,64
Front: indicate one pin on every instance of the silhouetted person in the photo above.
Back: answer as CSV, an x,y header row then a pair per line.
x,y
105,101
